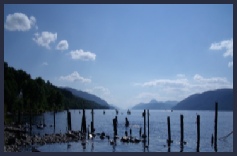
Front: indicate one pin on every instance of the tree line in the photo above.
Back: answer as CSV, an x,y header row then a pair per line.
x,y
24,94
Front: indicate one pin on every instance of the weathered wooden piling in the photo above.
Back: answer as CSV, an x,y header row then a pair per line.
x,y
88,133
215,128
144,135
144,123
169,132
126,133
115,123
198,132
69,125
181,129
92,122
148,122
83,122
181,133
140,132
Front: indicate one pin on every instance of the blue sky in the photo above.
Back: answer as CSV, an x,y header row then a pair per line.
x,y
125,54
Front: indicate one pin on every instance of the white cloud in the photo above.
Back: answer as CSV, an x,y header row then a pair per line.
x,y
185,83
218,80
19,22
75,76
62,45
164,82
226,44
45,64
45,38
202,84
100,90
82,55
230,64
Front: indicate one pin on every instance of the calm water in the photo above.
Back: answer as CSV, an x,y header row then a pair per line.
x,y
158,131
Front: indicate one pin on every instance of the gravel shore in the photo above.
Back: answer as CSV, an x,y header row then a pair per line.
x,y
15,138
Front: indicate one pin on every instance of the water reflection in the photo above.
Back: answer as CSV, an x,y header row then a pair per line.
x,y
181,148
114,148
92,147
104,123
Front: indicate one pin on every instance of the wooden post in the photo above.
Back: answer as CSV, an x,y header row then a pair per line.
x,y
69,120
70,123
169,133
182,129
115,124
83,122
92,122
148,114
140,131
144,135
88,134
215,132
144,123
198,132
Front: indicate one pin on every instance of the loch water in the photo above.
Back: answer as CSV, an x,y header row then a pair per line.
x,y
158,131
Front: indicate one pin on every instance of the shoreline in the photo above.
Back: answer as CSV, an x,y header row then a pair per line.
x,y
16,138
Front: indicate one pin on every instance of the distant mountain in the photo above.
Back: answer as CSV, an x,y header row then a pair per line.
x,y
206,101
88,96
153,104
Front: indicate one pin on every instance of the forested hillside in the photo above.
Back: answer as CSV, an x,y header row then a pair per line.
x,y
24,94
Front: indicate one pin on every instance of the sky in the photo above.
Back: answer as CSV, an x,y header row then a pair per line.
x,y
124,54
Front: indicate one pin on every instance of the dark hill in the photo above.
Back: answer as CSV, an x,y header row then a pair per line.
x,y
206,101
